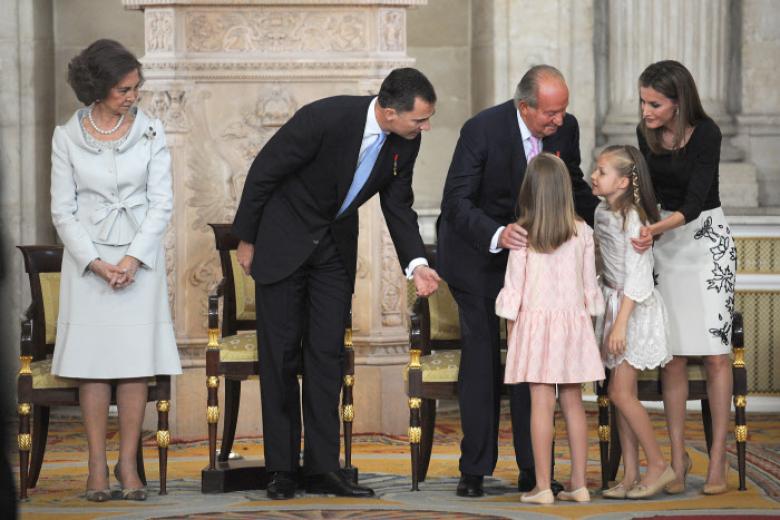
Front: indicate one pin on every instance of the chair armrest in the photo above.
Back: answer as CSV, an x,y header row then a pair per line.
x,y
26,338
420,326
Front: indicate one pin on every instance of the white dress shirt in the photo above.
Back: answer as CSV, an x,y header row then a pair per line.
x,y
370,134
527,148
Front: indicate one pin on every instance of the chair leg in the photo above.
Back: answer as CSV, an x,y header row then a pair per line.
x,y
139,460
414,439
24,443
40,432
706,418
615,449
163,440
428,423
604,429
232,403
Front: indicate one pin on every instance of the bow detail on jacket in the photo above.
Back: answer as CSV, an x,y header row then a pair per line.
x,y
109,213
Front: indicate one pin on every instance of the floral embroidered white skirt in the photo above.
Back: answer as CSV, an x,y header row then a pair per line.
x,y
695,268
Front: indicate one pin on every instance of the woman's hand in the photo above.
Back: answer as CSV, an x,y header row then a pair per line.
x,y
645,239
128,266
108,272
616,343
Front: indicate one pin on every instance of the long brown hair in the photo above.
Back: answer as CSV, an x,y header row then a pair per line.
x,y
629,162
546,203
671,79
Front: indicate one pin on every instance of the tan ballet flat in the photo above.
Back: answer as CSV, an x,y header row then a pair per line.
x,y
676,486
715,489
648,490
576,495
544,496
137,494
98,495
617,492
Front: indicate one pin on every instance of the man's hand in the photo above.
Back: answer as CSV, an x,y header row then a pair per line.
x,y
643,242
513,237
616,344
244,255
426,280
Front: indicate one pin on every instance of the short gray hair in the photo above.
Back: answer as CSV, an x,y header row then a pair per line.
x,y
528,87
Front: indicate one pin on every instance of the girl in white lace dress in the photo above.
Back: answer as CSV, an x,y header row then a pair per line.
x,y
632,332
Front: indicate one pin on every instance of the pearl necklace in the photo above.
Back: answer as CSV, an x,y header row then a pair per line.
x,y
100,130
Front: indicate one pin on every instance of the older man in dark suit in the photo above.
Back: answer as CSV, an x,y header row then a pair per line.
x,y
475,231
298,226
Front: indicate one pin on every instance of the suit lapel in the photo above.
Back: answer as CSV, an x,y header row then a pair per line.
x,y
355,123
519,162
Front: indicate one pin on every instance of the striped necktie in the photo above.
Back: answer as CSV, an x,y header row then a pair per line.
x,y
363,171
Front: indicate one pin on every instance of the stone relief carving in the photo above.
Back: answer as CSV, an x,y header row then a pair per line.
x,y
393,292
159,30
392,27
170,106
169,242
275,30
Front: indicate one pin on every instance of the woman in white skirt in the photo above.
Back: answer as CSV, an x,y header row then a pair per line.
x,y
695,258
111,200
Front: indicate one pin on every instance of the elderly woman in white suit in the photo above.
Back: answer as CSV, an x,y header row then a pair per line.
x,y
111,201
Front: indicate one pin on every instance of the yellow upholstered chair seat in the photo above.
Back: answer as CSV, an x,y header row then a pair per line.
x,y
245,291
43,378
238,348
442,366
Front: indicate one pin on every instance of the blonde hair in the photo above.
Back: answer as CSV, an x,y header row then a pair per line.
x,y
629,162
546,204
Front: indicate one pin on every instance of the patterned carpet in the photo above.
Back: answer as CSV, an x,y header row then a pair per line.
x,y
384,465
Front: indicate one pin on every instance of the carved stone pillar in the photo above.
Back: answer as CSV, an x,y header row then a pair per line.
x,y
698,33
224,76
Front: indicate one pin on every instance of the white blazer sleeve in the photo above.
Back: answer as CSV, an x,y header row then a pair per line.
x,y
64,205
511,295
146,243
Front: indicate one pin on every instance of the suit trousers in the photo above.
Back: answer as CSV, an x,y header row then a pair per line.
x,y
301,322
479,390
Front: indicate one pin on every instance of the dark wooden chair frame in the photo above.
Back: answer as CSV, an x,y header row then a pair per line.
x,y
609,442
235,372
38,402
423,396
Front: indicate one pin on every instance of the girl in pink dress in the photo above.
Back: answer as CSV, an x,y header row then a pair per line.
x,y
550,292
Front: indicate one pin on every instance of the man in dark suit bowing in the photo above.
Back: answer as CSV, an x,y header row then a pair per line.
x,y
475,231
298,226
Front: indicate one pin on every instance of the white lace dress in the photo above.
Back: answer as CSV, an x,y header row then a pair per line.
x,y
624,271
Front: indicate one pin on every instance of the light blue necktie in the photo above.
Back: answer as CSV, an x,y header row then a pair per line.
x,y
363,171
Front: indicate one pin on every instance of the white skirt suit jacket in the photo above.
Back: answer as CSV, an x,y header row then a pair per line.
x,y
107,203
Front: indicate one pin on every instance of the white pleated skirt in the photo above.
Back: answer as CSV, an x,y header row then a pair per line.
x,y
695,267
104,333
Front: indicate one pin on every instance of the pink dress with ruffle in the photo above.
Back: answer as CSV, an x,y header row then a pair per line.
x,y
548,299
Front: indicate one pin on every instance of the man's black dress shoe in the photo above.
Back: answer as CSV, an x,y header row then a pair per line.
x,y
526,481
334,483
282,485
470,486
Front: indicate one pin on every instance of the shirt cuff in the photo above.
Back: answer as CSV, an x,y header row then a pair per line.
x,y
414,264
494,242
